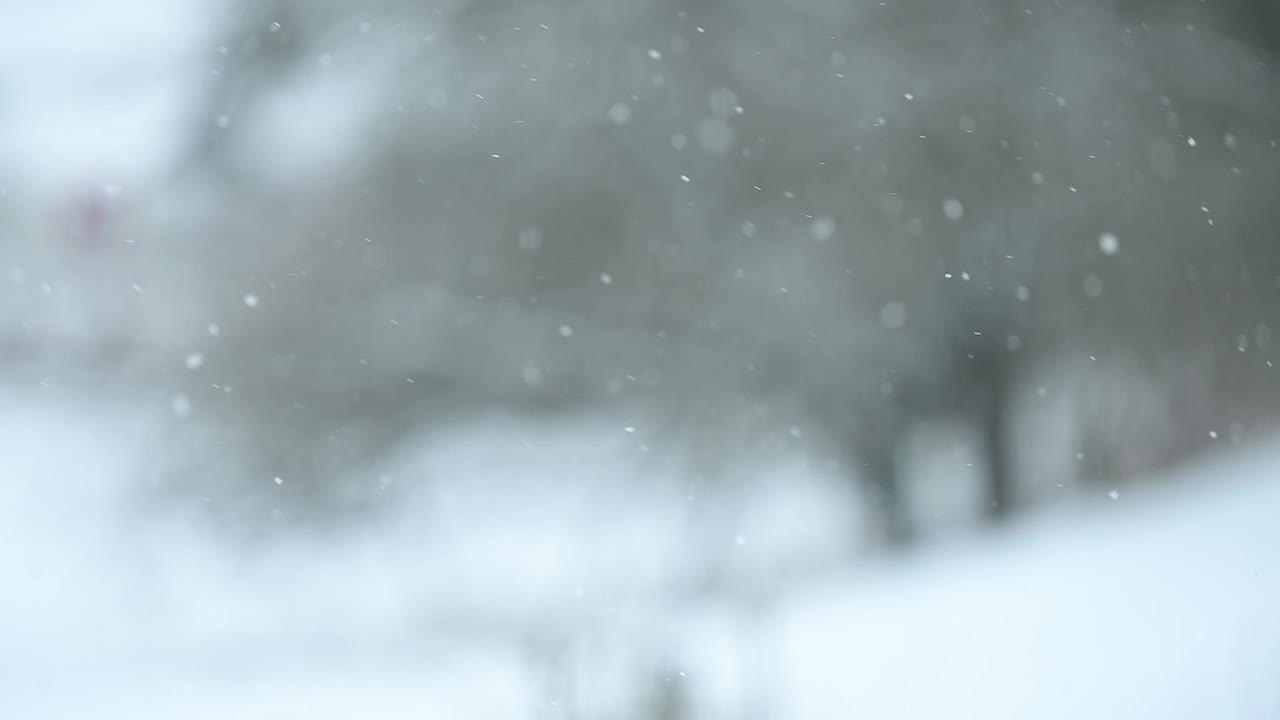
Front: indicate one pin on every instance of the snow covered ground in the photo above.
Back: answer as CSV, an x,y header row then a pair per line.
x,y
554,572
1167,609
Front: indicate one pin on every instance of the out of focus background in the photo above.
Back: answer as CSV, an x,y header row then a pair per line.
x,y
639,360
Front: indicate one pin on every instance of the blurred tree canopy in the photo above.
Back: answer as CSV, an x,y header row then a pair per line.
x,y
740,216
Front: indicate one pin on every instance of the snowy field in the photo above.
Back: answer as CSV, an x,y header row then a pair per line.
x,y
540,579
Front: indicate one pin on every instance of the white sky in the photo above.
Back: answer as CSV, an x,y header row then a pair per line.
x,y
97,92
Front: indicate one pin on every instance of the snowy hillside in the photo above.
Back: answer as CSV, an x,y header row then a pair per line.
x,y
1169,609
539,579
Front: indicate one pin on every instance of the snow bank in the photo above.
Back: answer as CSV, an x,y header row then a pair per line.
x,y
1167,609
554,572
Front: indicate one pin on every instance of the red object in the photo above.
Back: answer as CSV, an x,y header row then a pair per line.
x,y
90,220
